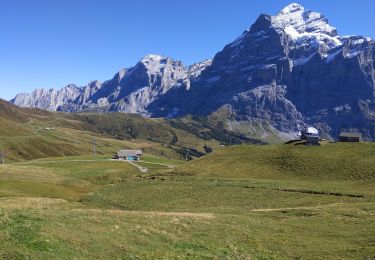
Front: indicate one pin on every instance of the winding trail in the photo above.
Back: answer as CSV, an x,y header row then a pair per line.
x,y
42,203
161,164
48,203
305,207
141,169
62,161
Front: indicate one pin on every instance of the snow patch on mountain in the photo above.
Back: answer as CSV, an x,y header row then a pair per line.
x,y
295,15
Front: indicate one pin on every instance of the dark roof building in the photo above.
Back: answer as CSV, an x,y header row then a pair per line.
x,y
350,137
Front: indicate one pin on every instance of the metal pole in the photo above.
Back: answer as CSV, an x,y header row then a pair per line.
x,y
94,147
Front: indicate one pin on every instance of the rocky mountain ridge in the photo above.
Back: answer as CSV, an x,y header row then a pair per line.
x,y
130,90
284,71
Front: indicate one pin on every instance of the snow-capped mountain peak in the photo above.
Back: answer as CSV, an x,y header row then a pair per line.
x,y
303,21
157,64
152,58
308,32
294,7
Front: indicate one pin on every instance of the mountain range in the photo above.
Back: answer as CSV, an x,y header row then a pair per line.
x,y
285,71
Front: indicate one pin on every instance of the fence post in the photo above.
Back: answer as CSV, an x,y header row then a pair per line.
x,y
2,154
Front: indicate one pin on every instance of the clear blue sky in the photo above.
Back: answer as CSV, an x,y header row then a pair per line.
x,y
51,43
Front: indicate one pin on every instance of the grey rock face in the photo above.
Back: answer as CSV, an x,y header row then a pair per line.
x,y
195,70
268,103
47,99
321,71
285,70
151,78
130,90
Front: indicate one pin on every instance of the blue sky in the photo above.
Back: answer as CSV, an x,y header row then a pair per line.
x,y
51,43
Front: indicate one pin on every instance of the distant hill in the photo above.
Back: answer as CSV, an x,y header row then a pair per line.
x,y
17,114
27,133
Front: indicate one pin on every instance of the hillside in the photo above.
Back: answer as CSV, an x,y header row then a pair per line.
x,y
271,202
32,133
330,161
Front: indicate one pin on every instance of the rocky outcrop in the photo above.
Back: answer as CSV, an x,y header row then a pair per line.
x,y
268,103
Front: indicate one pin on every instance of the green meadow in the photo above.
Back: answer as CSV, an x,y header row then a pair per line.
x,y
242,202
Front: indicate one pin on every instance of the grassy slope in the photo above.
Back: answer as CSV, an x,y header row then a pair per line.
x,y
64,232
102,209
68,207
23,134
256,177
336,161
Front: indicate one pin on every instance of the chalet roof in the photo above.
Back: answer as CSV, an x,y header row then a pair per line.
x,y
348,134
125,153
